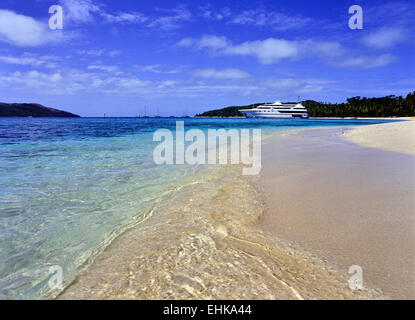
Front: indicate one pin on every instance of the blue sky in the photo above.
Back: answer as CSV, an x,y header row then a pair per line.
x,y
184,57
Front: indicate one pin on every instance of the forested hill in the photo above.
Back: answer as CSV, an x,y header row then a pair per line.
x,y
228,111
390,106
31,110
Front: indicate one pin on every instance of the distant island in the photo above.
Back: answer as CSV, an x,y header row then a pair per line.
x,y
228,112
389,106
32,110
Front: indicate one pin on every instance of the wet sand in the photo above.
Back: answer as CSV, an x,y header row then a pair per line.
x,y
348,204
202,241
321,205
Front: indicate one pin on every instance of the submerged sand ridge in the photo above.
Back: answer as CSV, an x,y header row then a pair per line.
x,y
348,204
202,242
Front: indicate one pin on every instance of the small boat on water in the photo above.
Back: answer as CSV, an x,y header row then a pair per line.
x,y
277,110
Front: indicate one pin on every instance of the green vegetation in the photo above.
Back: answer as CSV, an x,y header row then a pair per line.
x,y
390,106
228,111
31,110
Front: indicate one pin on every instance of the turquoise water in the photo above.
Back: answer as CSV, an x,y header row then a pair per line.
x,y
70,186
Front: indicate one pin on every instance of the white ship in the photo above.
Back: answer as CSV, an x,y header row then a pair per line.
x,y
277,110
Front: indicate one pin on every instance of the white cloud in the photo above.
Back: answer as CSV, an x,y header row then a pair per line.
x,y
326,49
294,85
260,17
71,82
206,41
275,20
105,68
209,13
32,79
156,68
21,61
92,52
31,60
114,53
386,13
77,81
186,42
274,50
22,30
85,11
99,52
125,17
173,21
212,42
384,38
79,11
368,61
267,51
221,74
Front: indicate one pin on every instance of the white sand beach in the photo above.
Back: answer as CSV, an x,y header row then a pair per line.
x,y
349,204
398,137
326,204
211,247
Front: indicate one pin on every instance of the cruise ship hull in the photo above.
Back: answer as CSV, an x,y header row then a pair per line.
x,y
273,115
277,110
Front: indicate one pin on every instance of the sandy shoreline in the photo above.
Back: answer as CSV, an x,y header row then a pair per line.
x,y
398,137
328,205
159,259
348,204
204,242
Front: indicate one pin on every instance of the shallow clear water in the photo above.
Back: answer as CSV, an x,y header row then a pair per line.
x,y
70,186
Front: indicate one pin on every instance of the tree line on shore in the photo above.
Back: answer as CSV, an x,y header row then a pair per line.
x,y
31,110
389,106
